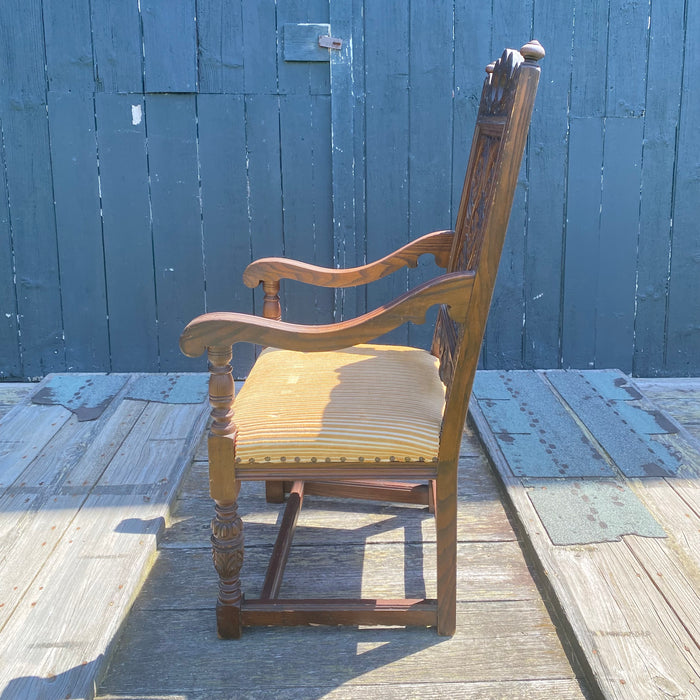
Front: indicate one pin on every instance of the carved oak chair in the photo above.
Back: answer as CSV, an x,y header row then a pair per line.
x,y
323,412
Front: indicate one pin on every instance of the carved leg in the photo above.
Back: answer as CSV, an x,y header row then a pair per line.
x,y
227,552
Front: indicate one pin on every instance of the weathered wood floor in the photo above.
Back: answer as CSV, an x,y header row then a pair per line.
x,y
81,505
78,533
506,645
629,586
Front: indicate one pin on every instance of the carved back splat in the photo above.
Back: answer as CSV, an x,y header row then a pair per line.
x,y
502,122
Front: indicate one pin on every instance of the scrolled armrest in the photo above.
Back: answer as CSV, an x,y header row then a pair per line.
x,y
439,243
226,329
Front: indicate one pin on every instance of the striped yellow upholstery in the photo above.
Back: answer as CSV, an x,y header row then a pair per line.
x,y
369,403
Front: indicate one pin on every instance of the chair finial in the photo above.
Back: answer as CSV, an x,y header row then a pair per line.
x,y
490,67
532,51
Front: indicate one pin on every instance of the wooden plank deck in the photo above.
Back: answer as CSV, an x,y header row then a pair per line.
x,y
81,506
633,604
506,645
78,538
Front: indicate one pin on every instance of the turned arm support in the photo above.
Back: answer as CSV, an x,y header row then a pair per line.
x,y
220,330
270,270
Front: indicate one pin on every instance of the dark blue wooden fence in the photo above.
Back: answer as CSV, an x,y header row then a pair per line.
x,y
150,150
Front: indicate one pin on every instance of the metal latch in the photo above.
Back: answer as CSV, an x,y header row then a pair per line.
x,y
330,42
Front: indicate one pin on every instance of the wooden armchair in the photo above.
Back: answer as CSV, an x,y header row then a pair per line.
x,y
324,413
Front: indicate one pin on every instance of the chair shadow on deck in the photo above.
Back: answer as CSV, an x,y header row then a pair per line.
x,y
169,641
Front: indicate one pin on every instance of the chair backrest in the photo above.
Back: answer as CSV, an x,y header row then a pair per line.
x,y
499,140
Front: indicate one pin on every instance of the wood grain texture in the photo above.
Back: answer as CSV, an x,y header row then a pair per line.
x,y
503,341
405,72
683,318
430,143
481,516
628,25
306,176
658,157
589,58
116,43
220,46
300,41
348,150
472,51
175,203
73,518
10,360
24,72
26,431
223,329
169,46
583,244
499,611
631,605
34,525
386,62
79,230
42,345
488,656
619,223
128,242
259,29
438,243
265,204
68,42
564,689
546,205
225,226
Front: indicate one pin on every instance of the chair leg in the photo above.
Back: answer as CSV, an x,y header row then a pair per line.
x,y
446,531
227,552
431,496
274,491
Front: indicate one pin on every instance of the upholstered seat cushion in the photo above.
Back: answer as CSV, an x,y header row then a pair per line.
x,y
369,403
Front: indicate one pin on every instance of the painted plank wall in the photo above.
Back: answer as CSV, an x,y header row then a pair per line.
x,y
150,151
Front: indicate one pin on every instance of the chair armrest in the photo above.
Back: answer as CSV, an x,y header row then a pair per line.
x,y
225,329
439,243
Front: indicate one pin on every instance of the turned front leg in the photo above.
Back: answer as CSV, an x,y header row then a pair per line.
x,y
227,528
227,553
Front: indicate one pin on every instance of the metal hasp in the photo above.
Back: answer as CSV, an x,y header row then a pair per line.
x,y
330,42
